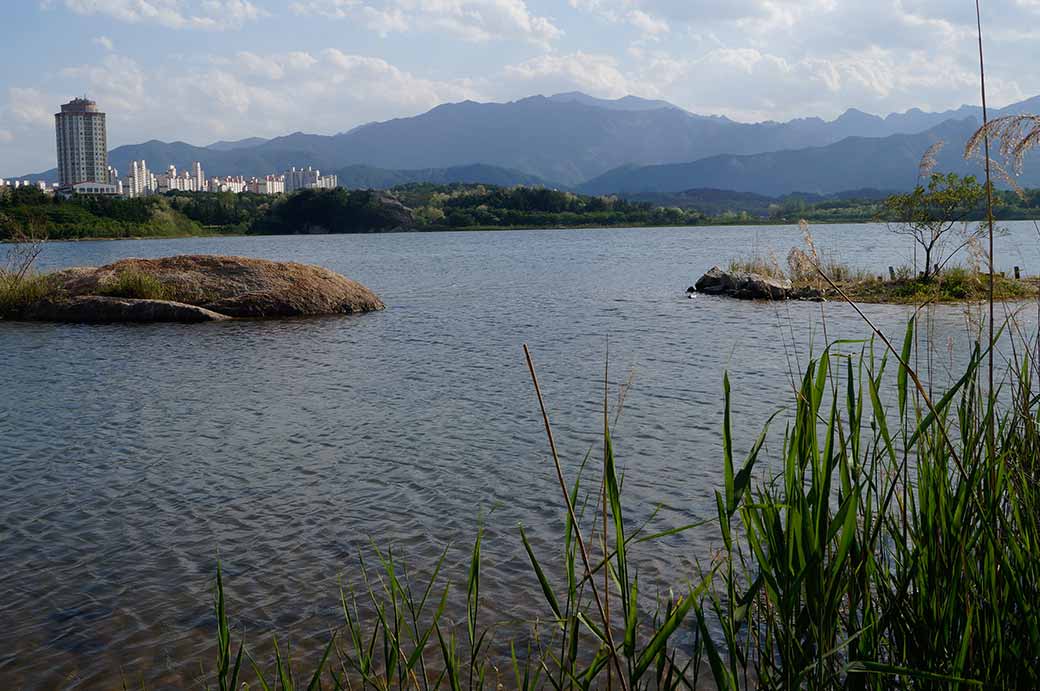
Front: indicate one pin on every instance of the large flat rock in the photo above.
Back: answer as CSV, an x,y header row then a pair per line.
x,y
233,286
745,286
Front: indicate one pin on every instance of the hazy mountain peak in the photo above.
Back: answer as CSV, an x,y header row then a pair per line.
x,y
224,145
624,103
856,115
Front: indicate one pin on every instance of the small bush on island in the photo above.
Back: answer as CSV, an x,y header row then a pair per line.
x,y
931,212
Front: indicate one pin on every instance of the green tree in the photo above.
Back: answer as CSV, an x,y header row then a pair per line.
x,y
929,213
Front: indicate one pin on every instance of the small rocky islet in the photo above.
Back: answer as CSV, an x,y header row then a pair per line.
x,y
950,286
192,289
750,286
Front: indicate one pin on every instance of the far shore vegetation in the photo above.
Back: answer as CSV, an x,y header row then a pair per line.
x,y
430,207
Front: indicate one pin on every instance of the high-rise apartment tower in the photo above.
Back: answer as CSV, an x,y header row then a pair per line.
x,y
82,143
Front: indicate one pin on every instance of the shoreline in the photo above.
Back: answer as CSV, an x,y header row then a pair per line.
x,y
448,229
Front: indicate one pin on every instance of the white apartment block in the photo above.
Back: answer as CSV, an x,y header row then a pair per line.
x,y
308,179
271,184
82,142
235,184
139,180
194,181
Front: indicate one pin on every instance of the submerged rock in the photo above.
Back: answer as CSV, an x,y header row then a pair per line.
x,y
98,309
745,286
194,288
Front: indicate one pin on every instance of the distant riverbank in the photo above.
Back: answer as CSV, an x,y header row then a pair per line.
x,y
28,212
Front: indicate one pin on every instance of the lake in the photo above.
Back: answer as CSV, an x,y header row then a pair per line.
x,y
132,458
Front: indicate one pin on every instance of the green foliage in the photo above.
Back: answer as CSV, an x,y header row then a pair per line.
x,y
136,285
226,210
425,206
930,212
91,217
957,283
333,211
895,548
487,206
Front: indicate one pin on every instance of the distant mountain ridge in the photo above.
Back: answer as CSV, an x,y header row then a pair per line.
x,y
573,140
240,144
629,103
714,202
368,177
888,163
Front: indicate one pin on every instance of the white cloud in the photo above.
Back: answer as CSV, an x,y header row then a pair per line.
x,y
254,93
596,73
470,20
6,136
176,14
105,42
117,82
649,25
30,107
777,59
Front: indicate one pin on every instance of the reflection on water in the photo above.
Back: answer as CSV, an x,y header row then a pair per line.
x,y
133,457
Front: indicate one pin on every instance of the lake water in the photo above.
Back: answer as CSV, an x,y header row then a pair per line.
x,y
132,458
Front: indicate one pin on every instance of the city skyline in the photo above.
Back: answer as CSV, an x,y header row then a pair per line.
x,y
83,166
200,71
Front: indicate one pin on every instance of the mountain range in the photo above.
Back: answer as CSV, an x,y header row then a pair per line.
x,y
887,163
576,141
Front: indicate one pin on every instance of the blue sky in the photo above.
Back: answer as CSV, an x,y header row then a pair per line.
x,y
203,70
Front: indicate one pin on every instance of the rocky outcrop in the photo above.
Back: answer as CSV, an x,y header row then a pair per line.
x,y
197,288
744,286
97,309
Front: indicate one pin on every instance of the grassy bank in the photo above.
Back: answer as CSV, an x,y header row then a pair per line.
x,y
902,286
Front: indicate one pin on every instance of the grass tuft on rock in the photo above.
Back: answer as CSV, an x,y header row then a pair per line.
x,y
19,291
137,285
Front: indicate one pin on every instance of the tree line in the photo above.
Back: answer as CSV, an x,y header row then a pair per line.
x,y
418,206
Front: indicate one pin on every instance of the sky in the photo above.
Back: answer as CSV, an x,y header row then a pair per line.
x,y
205,70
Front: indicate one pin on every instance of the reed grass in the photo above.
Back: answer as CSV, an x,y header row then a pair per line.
x,y
18,291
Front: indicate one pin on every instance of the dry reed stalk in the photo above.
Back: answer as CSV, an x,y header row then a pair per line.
x,y
574,520
989,214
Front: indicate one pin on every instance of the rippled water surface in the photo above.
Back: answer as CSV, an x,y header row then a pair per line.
x,y
133,457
